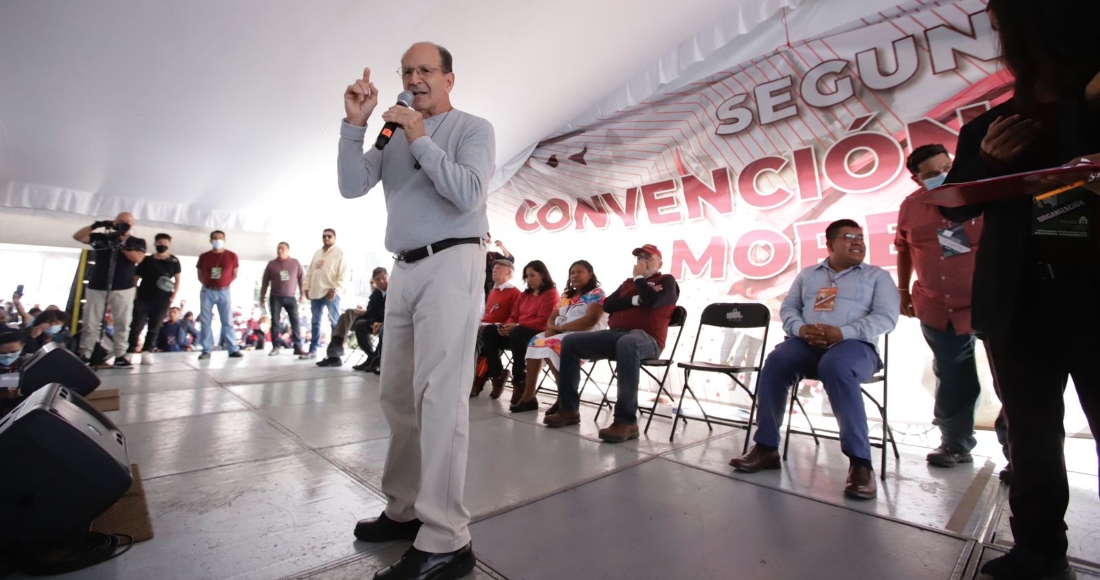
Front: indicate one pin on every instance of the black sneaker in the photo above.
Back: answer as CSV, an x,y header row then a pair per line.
x,y
122,363
1006,475
945,456
1013,566
331,361
204,356
236,354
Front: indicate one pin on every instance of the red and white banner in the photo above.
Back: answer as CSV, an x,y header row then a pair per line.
x,y
735,176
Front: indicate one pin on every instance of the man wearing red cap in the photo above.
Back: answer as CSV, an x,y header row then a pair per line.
x,y
640,311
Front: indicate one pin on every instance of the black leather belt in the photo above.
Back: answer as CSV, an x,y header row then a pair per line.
x,y
421,253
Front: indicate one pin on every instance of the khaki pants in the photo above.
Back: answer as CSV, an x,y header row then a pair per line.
x,y
425,391
122,307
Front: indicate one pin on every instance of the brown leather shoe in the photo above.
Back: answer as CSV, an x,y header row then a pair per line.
x,y
619,432
861,483
562,418
479,384
498,385
756,459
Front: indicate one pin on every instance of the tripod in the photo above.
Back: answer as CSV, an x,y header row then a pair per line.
x,y
114,244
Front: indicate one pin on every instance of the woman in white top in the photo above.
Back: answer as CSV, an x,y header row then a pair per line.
x,y
580,309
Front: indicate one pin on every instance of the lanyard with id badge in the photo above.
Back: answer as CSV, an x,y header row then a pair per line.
x,y
953,241
826,297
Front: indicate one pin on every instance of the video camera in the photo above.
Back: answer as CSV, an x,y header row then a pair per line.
x,y
116,231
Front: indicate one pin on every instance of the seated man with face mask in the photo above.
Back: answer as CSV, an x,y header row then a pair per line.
x,y
11,350
48,327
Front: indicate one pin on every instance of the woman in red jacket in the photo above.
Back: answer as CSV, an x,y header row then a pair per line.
x,y
528,319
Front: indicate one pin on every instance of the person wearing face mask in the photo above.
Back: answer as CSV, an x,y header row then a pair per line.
x,y
833,316
48,327
942,254
217,270
11,350
160,279
125,252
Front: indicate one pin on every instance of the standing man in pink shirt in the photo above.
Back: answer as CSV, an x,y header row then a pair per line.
x,y
942,254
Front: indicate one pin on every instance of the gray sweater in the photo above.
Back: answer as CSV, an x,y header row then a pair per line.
x,y
445,198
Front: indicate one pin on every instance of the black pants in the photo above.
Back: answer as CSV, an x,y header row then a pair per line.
x,y
151,312
364,335
1032,363
279,303
492,342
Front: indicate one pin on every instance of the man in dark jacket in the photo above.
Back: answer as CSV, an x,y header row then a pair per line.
x,y
640,310
365,322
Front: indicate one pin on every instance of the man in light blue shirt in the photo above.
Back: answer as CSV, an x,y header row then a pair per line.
x,y
833,316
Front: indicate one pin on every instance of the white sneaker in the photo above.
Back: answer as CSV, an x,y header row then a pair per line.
x,y
147,358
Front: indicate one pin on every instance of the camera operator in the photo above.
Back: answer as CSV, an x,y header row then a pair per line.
x,y
118,248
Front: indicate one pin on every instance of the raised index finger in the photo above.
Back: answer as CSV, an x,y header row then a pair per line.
x,y
366,74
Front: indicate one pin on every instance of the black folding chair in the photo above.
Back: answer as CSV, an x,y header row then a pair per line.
x,y
679,317
725,315
880,442
587,372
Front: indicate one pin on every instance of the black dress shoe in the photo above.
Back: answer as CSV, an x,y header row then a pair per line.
x,y
363,366
331,361
1006,475
417,565
532,405
1016,566
383,529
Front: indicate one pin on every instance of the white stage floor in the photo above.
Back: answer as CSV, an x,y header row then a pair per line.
x,y
258,468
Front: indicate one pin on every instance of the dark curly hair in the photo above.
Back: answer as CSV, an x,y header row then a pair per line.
x,y
570,291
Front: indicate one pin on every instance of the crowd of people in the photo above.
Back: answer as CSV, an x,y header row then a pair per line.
x,y
1010,259
129,308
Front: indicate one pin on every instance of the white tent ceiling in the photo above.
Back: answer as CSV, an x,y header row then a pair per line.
x,y
224,113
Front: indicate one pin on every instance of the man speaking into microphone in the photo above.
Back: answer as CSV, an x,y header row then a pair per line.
x,y
435,172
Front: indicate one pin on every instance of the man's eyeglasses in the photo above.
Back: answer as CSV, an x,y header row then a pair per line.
x,y
643,257
424,70
852,237
326,236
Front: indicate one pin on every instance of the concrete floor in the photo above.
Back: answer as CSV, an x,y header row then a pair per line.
x,y
258,468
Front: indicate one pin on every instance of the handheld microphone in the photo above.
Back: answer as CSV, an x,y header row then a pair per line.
x,y
405,99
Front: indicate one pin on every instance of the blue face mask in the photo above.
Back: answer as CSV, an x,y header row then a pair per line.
x,y
218,244
935,181
7,360
52,330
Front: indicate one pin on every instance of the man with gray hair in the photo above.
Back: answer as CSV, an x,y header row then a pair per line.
x,y
435,174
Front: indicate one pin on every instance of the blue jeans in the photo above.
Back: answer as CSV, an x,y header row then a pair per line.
x,y
842,369
318,306
957,388
628,347
208,299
